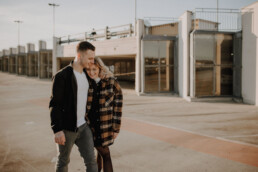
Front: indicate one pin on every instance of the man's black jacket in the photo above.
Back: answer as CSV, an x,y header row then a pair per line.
x,y
63,101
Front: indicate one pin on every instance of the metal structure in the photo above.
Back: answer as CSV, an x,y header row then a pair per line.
x,y
153,21
18,22
54,6
101,34
219,19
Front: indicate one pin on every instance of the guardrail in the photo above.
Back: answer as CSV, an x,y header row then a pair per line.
x,y
153,21
121,31
217,19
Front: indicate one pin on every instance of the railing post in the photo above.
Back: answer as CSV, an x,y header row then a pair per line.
x,y
130,29
59,40
106,32
85,36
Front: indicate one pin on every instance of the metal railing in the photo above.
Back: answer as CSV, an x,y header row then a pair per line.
x,y
121,31
217,19
153,21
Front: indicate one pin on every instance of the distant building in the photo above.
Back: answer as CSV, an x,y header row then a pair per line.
x,y
203,56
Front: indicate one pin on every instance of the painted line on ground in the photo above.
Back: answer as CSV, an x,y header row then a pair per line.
x,y
243,153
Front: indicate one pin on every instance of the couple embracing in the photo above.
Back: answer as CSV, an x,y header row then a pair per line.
x,y
85,110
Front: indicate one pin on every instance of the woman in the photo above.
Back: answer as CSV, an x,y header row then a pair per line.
x,y
104,109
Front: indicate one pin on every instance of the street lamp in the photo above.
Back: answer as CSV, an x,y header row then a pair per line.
x,y
135,16
217,11
53,5
135,11
18,22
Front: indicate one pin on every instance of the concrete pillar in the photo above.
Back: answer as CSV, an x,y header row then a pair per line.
x,y
138,59
220,38
31,60
185,24
250,54
6,54
12,60
1,61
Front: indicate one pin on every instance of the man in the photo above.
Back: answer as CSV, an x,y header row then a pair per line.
x,y
68,109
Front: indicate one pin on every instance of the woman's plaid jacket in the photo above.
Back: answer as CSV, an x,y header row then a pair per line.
x,y
110,109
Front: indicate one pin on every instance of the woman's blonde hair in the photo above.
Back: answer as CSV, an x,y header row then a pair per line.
x,y
104,70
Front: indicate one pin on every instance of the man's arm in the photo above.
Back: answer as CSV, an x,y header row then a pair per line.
x,y
56,106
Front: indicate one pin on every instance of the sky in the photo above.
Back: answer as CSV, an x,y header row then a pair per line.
x,y
77,16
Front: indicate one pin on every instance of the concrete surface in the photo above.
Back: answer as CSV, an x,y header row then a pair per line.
x,y
159,133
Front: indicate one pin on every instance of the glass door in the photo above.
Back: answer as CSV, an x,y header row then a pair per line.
x,y
213,54
159,66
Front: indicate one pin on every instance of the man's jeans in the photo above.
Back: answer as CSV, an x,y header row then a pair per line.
x,y
84,141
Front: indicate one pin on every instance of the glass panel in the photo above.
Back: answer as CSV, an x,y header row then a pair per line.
x,y
151,79
123,67
204,81
151,52
227,50
159,54
166,52
167,78
226,81
117,68
211,50
204,48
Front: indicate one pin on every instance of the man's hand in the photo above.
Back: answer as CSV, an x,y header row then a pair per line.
x,y
115,135
60,138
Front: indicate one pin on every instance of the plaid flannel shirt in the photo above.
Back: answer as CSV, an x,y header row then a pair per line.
x,y
110,103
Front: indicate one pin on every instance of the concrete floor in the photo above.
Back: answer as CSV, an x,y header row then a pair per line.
x,y
159,133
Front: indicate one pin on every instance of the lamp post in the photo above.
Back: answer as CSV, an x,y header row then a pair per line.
x,y
217,11
16,59
18,22
135,11
54,6
135,16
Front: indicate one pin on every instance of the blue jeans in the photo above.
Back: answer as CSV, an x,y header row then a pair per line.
x,y
84,141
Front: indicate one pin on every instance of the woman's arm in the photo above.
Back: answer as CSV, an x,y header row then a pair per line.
x,y
117,107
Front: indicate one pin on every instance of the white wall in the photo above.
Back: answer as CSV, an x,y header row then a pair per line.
x,y
250,54
113,47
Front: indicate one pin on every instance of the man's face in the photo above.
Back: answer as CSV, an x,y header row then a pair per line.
x,y
87,58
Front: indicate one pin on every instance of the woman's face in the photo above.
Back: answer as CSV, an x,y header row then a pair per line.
x,y
93,71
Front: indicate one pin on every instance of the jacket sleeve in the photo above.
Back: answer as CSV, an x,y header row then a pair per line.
x,y
56,104
117,107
